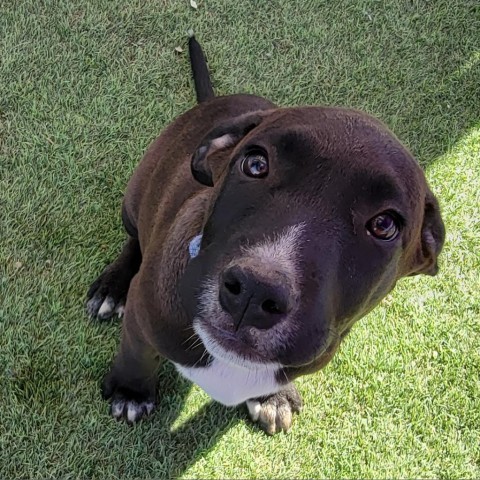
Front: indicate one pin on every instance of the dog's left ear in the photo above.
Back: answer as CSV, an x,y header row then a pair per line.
x,y
432,239
221,137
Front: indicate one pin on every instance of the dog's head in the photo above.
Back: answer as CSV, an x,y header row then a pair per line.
x,y
316,213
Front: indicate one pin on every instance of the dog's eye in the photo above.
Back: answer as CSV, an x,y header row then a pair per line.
x,y
384,226
255,165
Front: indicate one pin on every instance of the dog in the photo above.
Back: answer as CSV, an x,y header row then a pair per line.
x,y
257,236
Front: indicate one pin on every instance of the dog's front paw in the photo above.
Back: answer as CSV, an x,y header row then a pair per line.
x,y
127,403
130,410
274,413
107,294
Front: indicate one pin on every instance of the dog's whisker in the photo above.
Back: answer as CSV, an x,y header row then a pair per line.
x,y
204,354
196,344
285,375
189,338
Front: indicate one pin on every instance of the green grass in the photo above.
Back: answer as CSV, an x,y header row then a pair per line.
x,y
85,85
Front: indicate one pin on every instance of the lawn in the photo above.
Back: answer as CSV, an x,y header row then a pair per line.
x,y
85,85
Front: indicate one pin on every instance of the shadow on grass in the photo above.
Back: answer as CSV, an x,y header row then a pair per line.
x,y
429,107
179,447
47,386
442,109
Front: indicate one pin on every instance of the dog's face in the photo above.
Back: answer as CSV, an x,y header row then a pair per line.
x,y
316,215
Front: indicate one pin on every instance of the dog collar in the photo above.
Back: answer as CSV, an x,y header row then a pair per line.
x,y
194,245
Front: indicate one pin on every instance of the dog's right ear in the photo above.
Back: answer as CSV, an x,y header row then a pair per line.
x,y
224,136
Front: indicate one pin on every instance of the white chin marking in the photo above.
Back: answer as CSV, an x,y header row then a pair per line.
x,y
230,384
230,379
230,358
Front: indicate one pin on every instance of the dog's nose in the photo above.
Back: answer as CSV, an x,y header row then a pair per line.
x,y
251,301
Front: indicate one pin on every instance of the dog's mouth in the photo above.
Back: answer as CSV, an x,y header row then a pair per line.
x,y
232,348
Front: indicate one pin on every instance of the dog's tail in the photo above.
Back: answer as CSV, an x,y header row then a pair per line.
x,y
201,77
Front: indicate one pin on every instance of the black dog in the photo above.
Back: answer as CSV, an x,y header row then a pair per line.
x,y
257,236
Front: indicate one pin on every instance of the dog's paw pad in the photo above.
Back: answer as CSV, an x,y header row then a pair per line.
x,y
109,307
275,413
107,295
130,410
106,308
120,310
254,409
93,305
102,304
117,408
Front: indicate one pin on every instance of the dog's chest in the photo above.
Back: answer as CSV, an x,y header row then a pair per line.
x,y
229,384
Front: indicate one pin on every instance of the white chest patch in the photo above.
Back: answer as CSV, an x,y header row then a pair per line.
x,y
230,384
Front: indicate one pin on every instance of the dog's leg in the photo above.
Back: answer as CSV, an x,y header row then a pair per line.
x,y
131,382
108,292
274,413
